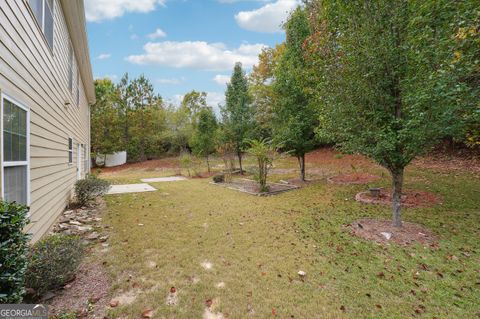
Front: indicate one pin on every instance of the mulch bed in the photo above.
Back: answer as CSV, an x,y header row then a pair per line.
x,y
408,234
90,287
251,187
410,198
355,178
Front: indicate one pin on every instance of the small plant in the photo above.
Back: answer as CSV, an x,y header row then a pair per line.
x,y
220,178
186,162
89,188
52,262
13,251
265,153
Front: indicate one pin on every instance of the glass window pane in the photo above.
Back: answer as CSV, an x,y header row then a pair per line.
x,y
14,132
37,8
22,149
7,147
15,147
48,26
15,182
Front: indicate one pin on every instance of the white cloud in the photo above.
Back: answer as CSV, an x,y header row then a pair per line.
x,y
214,99
98,10
197,55
172,81
159,33
221,79
268,18
103,56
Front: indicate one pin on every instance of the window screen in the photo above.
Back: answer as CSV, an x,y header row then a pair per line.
x,y
48,23
37,9
15,183
43,13
70,150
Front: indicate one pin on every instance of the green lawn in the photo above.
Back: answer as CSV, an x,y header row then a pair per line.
x,y
257,245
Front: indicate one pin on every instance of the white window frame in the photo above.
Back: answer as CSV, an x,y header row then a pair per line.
x,y
41,24
26,163
70,151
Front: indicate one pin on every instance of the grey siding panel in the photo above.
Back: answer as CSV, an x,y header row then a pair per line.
x,y
38,77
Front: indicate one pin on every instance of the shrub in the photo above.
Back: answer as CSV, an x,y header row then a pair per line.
x,y
265,153
87,189
52,262
13,251
220,178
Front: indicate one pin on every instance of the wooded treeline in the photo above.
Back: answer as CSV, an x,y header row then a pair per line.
x,y
386,79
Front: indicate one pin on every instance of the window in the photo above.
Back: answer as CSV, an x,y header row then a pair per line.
x,y
70,151
15,157
43,13
70,68
77,98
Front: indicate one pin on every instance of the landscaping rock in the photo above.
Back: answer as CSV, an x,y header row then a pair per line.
x,y
387,235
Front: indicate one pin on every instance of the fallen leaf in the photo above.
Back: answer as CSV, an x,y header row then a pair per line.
x,y
208,303
274,312
147,313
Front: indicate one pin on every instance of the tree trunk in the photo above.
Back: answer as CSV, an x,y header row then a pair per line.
x,y
397,179
208,164
239,153
301,163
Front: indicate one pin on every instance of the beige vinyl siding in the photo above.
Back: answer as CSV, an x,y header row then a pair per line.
x,y
38,77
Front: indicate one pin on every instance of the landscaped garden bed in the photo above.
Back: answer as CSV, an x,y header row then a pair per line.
x,y
382,231
253,188
410,198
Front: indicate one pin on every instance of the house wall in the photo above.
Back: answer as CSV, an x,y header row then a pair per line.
x,y
37,77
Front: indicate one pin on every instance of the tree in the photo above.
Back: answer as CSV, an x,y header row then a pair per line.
x,y
203,139
265,152
145,102
106,130
295,117
193,102
385,88
237,113
261,88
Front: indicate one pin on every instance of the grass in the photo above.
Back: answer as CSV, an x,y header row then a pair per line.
x,y
258,244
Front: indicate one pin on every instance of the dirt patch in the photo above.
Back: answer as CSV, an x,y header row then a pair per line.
x,y
448,163
383,232
298,182
156,164
329,156
251,187
87,295
410,198
355,178
282,171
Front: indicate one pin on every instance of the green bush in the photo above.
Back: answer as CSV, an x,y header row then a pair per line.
x,y
87,189
13,251
52,262
220,178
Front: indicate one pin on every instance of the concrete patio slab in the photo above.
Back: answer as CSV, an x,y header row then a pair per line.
x,y
130,188
164,179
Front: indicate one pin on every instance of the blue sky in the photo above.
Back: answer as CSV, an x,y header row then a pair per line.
x,y
181,45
